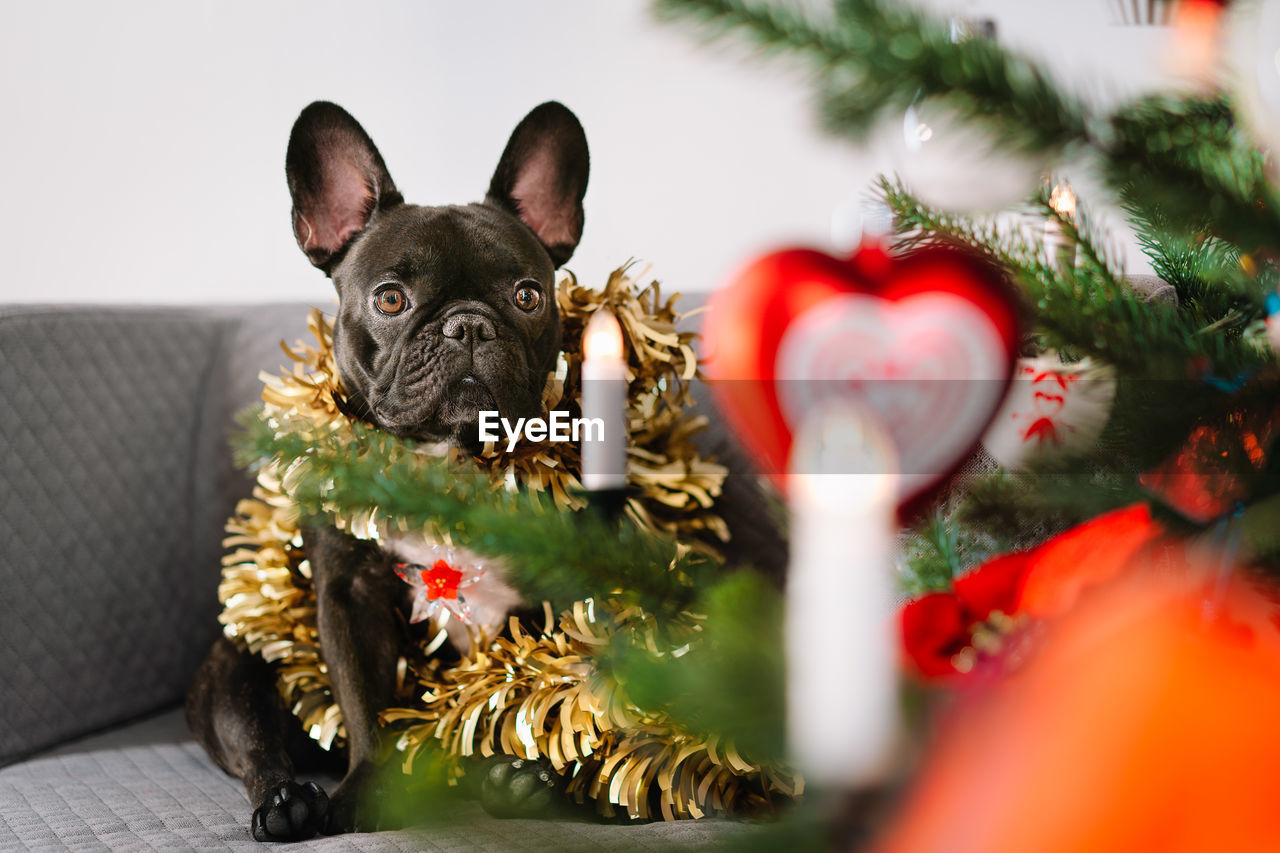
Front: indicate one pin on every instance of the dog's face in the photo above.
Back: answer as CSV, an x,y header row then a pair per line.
x,y
443,311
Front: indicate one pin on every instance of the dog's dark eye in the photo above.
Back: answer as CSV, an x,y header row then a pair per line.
x,y
390,300
527,297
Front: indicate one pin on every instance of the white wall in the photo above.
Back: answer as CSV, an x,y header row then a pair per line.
x,y
143,142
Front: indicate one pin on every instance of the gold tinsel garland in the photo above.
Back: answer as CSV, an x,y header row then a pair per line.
x,y
532,692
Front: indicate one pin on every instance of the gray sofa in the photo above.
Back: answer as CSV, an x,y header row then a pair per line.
x,y
115,481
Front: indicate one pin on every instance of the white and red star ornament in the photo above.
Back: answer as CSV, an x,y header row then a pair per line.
x,y
1051,407
924,342
440,583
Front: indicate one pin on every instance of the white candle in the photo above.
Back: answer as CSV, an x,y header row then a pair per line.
x,y
842,659
1061,251
604,404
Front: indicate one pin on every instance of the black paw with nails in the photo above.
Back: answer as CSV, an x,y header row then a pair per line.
x,y
292,812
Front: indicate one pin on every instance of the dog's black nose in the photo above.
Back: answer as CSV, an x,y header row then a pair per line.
x,y
469,328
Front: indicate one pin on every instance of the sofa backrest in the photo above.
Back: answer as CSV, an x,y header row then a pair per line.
x,y
115,481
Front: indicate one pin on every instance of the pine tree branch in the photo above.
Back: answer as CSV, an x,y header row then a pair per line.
x,y
930,557
1185,155
1087,310
1036,504
1207,272
873,58
906,56
1188,159
549,553
730,682
1196,189
728,678
1098,255
773,27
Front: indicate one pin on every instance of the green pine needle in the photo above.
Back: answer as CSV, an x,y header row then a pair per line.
x,y
873,57
552,555
730,681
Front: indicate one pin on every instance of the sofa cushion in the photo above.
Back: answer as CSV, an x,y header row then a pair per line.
x,y
148,786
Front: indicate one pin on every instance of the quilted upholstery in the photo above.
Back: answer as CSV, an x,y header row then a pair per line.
x,y
163,793
116,480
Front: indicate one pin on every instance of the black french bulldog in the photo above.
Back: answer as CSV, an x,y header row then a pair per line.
x,y
444,312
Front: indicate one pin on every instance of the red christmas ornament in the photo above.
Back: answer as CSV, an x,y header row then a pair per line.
x,y
941,631
1203,479
926,342
945,634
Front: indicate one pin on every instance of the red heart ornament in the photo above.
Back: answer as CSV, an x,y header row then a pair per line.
x,y
926,342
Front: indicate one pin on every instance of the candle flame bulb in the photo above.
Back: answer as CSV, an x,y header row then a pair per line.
x,y
1062,251
844,453
604,403
1063,199
602,338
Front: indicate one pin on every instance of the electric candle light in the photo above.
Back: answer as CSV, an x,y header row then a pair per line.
x,y
1063,200
840,595
604,401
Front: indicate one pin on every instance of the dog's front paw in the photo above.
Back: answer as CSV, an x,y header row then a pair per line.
x,y
342,813
357,804
518,787
291,812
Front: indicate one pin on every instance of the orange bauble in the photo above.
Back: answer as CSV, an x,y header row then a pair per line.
x,y
1148,718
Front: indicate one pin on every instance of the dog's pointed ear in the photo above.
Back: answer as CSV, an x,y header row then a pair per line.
x,y
542,177
337,180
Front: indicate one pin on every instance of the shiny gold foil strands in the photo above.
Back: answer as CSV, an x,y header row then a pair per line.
x,y
539,697
532,692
